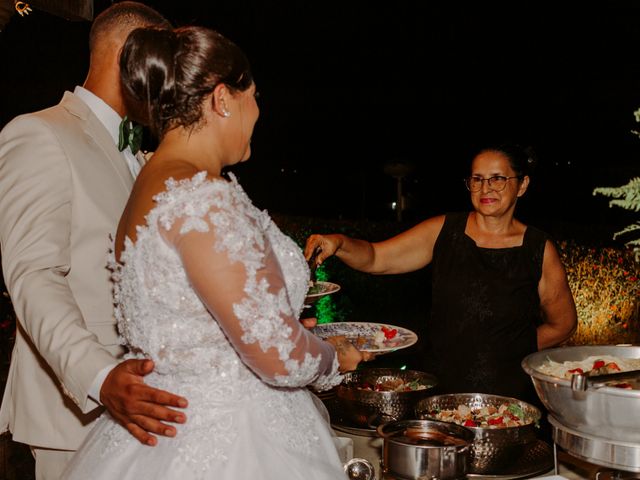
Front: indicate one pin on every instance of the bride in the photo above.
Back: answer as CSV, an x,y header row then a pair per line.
x,y
209,288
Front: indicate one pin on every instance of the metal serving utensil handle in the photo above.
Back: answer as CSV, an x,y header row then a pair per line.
x,y
313,265
580,382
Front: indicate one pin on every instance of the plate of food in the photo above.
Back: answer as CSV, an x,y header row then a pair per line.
x,y
369,337
320,289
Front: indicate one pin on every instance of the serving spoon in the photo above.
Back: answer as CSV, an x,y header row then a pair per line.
x,y
313,265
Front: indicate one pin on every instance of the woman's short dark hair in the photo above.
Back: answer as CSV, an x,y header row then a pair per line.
x,y
166,74
522,159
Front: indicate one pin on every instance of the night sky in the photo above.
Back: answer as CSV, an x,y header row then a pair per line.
x,y
347,87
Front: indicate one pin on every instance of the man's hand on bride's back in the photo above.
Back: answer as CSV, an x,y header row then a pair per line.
x,y
141,409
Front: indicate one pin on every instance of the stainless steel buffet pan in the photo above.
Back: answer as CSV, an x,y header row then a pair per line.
x,y
493,449
370,408
605,411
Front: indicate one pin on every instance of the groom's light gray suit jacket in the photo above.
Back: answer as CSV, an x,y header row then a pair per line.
x,y
63,186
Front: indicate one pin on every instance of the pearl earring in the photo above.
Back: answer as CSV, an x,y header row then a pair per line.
x,y
226,113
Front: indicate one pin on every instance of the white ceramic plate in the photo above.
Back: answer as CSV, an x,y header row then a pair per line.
x,y
363,335
320,289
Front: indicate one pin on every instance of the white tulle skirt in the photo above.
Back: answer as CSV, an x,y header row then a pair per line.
x,y
254,453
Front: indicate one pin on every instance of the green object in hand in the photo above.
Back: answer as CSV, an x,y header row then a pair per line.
x,y
129,135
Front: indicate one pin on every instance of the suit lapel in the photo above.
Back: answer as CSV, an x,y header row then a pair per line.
x,y
97,132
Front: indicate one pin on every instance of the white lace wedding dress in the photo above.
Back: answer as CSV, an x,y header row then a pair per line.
x,y
212,291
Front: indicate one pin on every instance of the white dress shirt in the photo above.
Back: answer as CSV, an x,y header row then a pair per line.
x,y
111,121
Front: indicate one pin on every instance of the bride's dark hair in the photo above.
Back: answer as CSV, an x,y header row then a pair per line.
x,y
166,74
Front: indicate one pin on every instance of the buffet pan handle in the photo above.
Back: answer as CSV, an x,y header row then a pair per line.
x,y
580,381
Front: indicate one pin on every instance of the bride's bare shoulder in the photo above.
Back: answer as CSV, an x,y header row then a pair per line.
x,y
154,175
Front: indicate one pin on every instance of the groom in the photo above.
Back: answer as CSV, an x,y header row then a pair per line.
x,y
63,186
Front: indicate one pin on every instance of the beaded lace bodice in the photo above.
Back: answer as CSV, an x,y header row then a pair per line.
x,y
210,280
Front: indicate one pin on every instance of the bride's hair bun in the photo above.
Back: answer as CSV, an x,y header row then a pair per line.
x,y
147,72
166,74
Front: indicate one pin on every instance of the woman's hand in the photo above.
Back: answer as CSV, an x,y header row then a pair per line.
x,y
348,356
326,245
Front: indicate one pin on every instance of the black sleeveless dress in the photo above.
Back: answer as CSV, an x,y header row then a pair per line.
x,y
485,310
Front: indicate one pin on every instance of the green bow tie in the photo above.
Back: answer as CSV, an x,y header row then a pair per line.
x,y
129,135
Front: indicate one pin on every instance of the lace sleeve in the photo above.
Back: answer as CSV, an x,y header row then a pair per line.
x,y
233,269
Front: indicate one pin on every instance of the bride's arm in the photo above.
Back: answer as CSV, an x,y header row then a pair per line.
x,y
233,269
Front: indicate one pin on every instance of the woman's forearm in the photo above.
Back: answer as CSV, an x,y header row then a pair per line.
x,y
357,254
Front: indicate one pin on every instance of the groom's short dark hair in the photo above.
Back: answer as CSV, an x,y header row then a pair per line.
x,y
127,16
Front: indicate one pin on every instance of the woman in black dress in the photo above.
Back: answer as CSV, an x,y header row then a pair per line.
x,y
499,289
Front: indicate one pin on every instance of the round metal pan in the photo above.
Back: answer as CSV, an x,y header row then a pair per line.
x,y
605,411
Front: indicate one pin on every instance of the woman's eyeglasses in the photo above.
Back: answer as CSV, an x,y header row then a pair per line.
x,y
496,183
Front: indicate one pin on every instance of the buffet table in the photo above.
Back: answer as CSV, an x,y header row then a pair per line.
x,y
569,467
368,445
365,443
594,415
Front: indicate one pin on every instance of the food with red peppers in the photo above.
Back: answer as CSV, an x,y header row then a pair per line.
x,y
502,416
384,337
